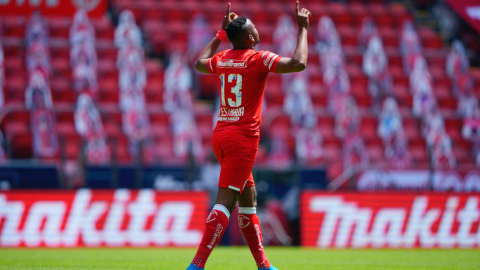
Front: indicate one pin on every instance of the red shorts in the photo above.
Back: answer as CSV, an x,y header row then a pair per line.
x,y
236,154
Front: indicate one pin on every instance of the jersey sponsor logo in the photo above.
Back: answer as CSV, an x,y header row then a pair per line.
x,y
230,63
226,112
390,220
228,119
212,216
243,221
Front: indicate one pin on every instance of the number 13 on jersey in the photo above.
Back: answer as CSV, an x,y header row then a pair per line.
x,y
237,89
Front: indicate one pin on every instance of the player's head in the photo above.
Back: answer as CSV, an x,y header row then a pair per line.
x,y
242,33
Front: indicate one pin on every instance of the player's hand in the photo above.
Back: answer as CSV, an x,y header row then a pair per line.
x,y
228,18
302,17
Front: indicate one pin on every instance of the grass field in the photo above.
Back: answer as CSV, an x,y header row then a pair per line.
x,y
237,258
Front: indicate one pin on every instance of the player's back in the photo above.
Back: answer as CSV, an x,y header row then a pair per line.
x,y
242,75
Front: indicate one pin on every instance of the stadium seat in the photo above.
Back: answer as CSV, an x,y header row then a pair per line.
x,y
13,26
368,129
21,145
375,153
358,11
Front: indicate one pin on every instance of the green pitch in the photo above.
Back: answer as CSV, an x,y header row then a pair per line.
x,y
237,258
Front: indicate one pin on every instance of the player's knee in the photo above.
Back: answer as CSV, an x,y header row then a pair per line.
x,y
227,198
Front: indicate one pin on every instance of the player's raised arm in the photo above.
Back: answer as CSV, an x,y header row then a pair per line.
x,y
298,62
211,49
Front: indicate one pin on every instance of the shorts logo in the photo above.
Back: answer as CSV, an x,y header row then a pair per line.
x,y
216,236
243,221
230,63
212,216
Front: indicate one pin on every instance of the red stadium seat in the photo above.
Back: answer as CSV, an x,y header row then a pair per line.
x,y
114,117
375,153
368,129
348,35
419,154
61,67
68,96
13,127
65,116
22,146
65,128
447,103
13,26
108,86
112,129
335,169
13,64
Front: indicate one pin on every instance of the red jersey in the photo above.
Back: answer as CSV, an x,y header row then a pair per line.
x,y
242,75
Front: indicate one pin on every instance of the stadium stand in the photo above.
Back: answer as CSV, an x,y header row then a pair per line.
x,y
164,26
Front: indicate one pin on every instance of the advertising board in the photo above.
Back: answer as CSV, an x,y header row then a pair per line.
x,y
389,220
114,218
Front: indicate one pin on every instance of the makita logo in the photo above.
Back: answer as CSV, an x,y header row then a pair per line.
x,y
391,220
230,63
100,218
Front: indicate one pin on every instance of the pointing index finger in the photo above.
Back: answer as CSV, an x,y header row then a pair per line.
x,y
228,10
296,8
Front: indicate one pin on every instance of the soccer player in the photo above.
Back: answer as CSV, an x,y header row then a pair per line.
x,y
242,73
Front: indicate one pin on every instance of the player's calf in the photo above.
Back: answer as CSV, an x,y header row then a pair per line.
x,y
217,222
250,226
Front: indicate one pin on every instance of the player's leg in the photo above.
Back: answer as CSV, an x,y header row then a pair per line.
x,y
216,224
250,226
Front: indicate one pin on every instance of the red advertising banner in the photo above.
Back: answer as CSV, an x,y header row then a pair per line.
x,y
116,218
390,220
57,8
469,10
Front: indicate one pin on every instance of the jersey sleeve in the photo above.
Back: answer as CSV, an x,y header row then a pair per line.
x,y
267,61
212,62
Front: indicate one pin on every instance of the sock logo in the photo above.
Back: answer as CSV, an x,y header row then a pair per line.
x,y
216,236
243,221
212,216
259,235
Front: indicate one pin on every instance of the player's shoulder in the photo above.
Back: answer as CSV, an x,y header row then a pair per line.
x,y
265,57
223,53
262,54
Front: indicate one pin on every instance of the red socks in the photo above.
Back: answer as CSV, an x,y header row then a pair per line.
x,y
250,225
217,222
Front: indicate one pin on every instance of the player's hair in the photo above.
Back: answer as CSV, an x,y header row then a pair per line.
x,y
234,28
